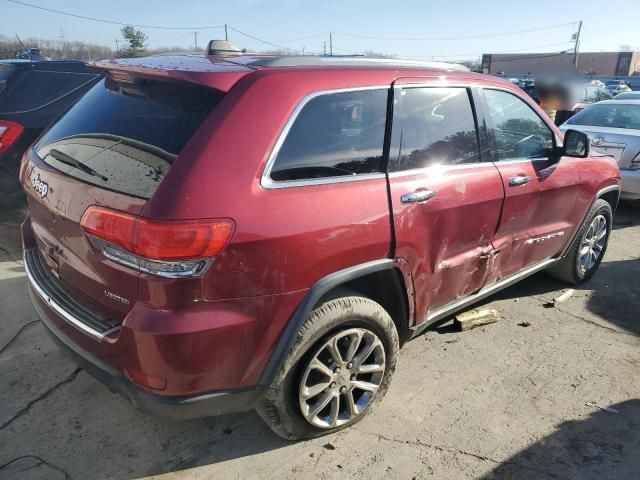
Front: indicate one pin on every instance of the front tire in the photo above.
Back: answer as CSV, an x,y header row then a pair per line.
x,y
588,249
338,369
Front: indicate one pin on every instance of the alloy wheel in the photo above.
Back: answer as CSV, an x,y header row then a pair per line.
x,y
341,378
593,244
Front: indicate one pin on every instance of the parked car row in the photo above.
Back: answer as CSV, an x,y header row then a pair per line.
x,y
616,87
613,127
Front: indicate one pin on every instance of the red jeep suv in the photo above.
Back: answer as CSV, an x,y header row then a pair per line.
x,y
217,234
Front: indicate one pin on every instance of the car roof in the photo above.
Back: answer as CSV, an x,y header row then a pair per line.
x,y
345,61
26,61
222,72
618,102
213,63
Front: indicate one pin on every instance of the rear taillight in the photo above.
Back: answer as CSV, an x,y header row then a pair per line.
x,y
9,134
165,248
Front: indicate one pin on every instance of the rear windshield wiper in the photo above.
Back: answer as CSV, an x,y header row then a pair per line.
x,y
72,162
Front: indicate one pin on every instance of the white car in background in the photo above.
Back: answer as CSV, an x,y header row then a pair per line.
x,y
617,86
613,127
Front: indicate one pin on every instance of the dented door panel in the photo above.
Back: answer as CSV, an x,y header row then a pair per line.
x,y
538,217
447,239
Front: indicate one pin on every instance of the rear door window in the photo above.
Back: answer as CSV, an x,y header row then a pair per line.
x,y
334,135
433,126
124,137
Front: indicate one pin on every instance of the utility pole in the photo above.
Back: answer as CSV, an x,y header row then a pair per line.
x,y
23,46
324,48
226,34
195,41
61,37
303,48
576,46
117,47
331,44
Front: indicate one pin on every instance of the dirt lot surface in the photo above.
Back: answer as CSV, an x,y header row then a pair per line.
x,y
559,398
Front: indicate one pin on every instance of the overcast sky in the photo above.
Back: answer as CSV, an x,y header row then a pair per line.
x,y
283,22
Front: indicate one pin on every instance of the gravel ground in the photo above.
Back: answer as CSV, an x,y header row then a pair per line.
x,y
559,398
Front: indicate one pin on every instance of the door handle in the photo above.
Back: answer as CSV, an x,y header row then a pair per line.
x,y
519,180
417,196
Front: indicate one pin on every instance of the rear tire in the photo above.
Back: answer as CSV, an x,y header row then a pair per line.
x,y
588,248
344,357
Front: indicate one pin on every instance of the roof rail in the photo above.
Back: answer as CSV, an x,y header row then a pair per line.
x,y
315,60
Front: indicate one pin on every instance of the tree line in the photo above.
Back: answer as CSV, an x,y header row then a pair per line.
x,y
133,44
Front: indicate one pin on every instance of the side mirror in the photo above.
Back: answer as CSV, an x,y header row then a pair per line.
x,y
576,144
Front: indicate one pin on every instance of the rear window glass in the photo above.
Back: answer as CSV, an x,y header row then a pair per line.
x,y
335,134
124,137
609,115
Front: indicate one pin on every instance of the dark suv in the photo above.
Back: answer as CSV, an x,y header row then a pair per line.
x,y
32,95
217,234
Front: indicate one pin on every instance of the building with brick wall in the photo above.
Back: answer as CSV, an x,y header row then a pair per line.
x,y
589,63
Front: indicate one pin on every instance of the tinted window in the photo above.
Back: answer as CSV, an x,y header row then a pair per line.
x,y
518,131
432,126
28,90
615,115
334,134
124,137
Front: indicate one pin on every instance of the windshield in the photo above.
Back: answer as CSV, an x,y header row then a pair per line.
x,y
609,115
124,137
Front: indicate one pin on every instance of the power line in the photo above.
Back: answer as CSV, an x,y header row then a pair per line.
x,y
277,45
497,53
433,39
349,50
475,54
323,34
259,39
112,22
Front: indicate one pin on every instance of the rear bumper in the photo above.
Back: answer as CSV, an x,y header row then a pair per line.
x,y
630,184
174,408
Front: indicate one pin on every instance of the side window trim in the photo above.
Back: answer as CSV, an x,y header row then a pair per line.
x,y
268,183
490,127
477,105
472,96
